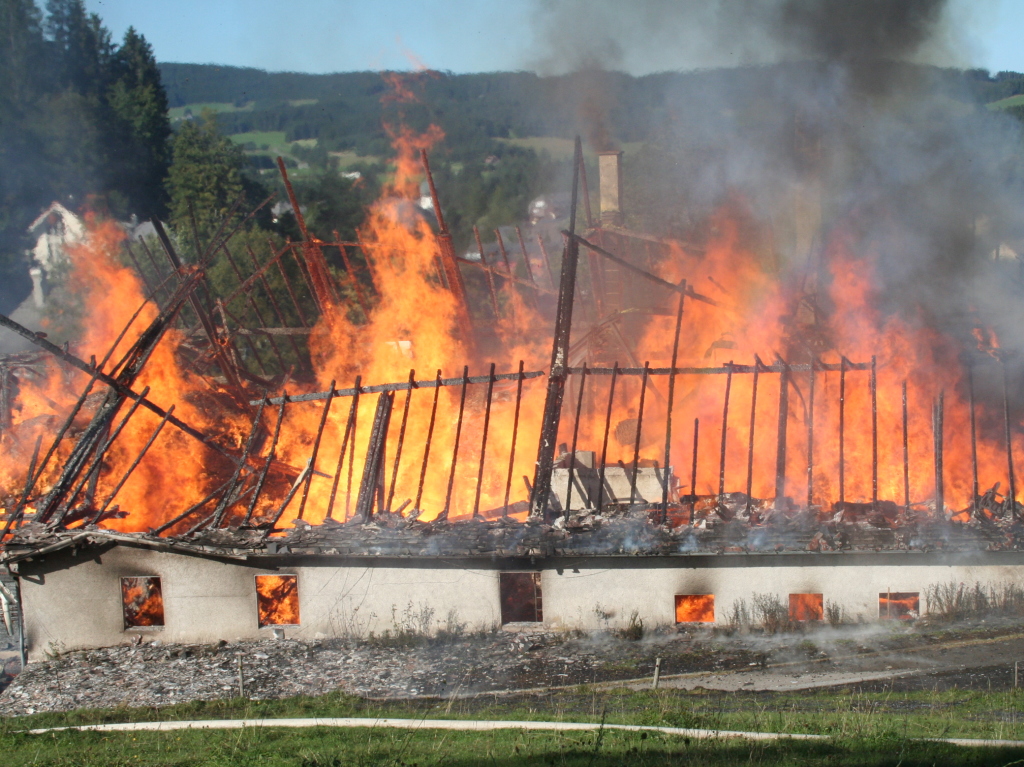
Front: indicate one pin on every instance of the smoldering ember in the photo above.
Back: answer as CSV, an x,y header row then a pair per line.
x,y
588,426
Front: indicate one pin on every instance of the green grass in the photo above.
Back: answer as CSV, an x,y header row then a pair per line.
x,y
559,148
178,113
348,158
333,748
864,729
261,138
1012,101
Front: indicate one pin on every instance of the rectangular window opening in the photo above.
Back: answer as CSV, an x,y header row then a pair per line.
x,y
695,608
142,602
520,598
899,605
277,600
806,607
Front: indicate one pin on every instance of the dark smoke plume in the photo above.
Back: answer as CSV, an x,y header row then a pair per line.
x,y
857,31
663,35
842,102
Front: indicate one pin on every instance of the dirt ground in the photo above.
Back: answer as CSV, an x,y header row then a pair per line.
x,y
898,656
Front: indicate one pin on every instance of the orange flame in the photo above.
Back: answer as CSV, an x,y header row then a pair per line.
x,y
143,602
806,607
695,608
277,600
174,473
899,606
415,324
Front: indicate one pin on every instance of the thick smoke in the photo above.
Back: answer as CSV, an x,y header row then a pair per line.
x,y
663,35
843,105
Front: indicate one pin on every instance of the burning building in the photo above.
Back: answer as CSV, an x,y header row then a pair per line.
x,y
704,424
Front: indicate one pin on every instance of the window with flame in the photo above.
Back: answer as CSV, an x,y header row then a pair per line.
x,y
899,605
277,600
142,602
695,608
520,598
806,607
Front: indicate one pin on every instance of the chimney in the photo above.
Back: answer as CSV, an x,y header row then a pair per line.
x,y
37,286
609,167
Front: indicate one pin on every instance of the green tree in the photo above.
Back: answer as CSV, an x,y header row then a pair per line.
x,y
138,100
22,185
81,47
82,121
204,178
21,47
332,204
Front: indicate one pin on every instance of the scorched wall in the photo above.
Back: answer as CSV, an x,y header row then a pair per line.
x,y
74,601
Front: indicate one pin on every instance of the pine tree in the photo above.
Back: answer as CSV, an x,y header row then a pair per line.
x,y
81,45
206,173
139,102
21,46
81,121
22,187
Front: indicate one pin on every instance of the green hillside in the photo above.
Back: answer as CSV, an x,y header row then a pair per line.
x,y
1012,101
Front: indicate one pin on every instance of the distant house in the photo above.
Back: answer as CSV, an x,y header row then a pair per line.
x,y
281,207
54,229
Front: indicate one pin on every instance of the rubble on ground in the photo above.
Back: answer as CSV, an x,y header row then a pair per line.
x,y
394,666
708,526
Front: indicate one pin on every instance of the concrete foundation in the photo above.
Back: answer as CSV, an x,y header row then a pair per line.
x,y
74,602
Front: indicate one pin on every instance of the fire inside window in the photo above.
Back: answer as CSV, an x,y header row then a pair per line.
x,y
806,607
277,600
142,602
695,608
899,605
520,598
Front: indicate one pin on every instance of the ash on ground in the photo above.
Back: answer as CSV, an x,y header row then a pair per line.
x,y
155,674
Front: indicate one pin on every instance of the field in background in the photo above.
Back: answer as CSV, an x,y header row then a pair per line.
x,y
561,148
347,159
178,113
1012,101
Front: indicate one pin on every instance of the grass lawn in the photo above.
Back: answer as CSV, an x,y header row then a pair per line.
x,y
1012,101
261,138
332,748
865,729
178,113
560,148
349,158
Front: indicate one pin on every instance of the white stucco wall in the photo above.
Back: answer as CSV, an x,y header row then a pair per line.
x,y
207,600
73,603
578,600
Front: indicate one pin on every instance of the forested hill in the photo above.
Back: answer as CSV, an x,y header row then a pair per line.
x,y
342,108
199,83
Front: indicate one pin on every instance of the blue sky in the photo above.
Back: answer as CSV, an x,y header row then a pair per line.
x,y
456,35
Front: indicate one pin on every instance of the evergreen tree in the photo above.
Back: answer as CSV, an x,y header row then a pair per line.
x,y
22,186
81,121
206,174
81,45
21,45
138,100
331,204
